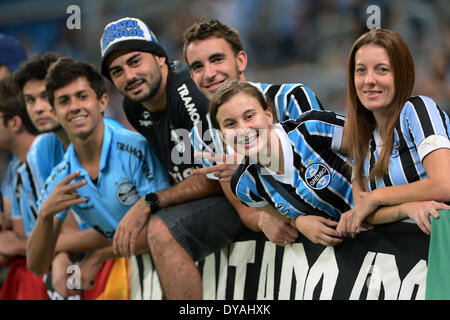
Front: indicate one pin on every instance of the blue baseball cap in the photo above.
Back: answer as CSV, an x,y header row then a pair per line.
x,y
128,34
12,53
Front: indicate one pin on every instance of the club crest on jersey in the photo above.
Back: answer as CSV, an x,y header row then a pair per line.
x,y
127,193
317,176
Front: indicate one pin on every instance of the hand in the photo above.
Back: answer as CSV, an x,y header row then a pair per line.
x,y
60,265
124,242
278,231
318,230
344,227
420,211
362,209
63,196
225,167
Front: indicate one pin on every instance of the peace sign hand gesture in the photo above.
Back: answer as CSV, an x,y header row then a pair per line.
x,y
63,196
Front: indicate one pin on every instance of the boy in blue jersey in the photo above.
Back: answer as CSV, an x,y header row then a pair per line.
x,y
111,168
17,133
48,149
44,154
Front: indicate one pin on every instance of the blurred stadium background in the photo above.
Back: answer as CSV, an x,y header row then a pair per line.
x,y
303,41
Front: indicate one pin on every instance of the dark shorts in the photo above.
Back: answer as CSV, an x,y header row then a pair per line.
x,y
203,226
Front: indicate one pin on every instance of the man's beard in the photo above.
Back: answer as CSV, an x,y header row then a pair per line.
x,y
153,88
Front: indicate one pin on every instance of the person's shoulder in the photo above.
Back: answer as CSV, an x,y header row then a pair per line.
x,y
122,136
44,141
418,106
419,101
113,122
14,164
178,74
320,115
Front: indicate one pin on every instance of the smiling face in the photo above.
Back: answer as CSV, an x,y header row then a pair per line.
x,y
136,74
213,63
39,110
78,108
374,78
245,125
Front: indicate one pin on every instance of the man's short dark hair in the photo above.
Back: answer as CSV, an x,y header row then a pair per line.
x,y
210,29
36,68
67,70
12,103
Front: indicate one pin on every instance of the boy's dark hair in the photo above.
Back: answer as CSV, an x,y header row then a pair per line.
x,y
12,103
211,28
36,68
67,70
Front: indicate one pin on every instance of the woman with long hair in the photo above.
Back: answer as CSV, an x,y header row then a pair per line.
x,y
400,144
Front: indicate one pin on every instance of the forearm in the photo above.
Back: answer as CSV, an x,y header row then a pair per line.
x,y
422,190
81,241
386,214
106,253
41,244
249,216
193,188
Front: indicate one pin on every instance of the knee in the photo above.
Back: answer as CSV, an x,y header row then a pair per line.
x,y
158,235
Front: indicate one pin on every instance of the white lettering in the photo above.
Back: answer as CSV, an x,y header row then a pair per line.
x,y
242,253
416,277
384,271
294,259
267,274
373,21
326,267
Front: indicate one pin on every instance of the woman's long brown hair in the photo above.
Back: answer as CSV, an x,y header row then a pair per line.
x,y
361,122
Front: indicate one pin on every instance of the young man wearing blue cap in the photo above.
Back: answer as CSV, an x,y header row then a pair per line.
x,y
193,218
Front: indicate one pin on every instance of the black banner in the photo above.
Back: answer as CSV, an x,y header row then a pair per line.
x,y
386,263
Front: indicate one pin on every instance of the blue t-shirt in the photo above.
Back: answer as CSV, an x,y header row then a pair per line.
x,y
129,169
316,173
44,154
16,190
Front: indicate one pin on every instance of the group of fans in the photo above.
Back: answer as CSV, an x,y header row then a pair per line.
x,y
268,158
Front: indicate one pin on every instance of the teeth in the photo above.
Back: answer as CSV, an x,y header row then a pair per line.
x,y
80,118
134,85
215,84
248,141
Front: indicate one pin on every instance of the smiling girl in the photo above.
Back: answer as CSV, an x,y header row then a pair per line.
x,y
293,170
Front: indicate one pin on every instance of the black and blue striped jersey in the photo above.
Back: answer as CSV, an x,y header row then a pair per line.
x,y
290,101
421,128
315,172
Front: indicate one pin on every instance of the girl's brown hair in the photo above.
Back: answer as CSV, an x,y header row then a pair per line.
x,y
229,90
361,122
